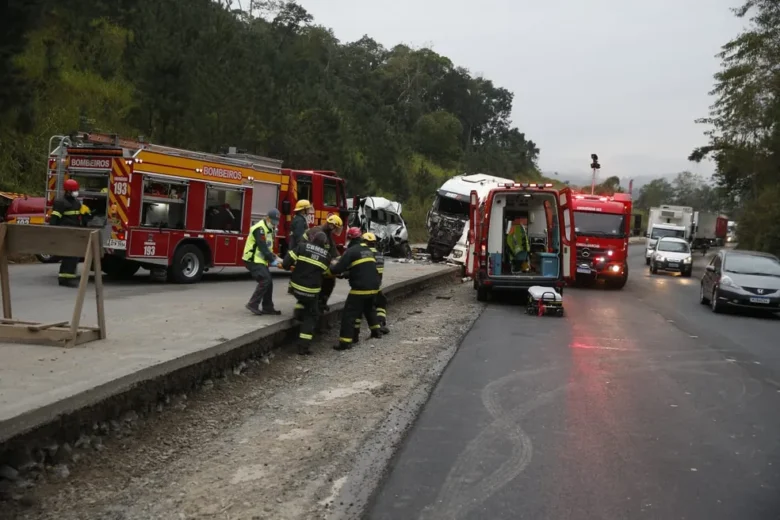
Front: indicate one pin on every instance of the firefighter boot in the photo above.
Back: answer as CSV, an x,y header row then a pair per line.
x,y
383,326
303,347
376,334
343,346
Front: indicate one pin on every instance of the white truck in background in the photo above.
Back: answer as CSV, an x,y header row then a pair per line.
x,y
667,221
710,229
448,218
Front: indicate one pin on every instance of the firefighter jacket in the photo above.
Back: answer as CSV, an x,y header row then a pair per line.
x,y
333,251
259,244
360,261
68,211
310,262
298,227
380,264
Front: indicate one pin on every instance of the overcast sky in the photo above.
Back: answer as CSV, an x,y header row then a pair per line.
x,y
621,78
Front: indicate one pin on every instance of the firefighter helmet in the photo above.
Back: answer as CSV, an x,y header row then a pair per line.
x,y
71,185
353,233
301,205
334,220
369,237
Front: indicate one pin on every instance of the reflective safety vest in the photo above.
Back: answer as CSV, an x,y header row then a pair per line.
x,y
251,251
518,240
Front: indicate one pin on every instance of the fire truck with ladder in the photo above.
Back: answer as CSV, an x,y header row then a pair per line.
x,y
182,212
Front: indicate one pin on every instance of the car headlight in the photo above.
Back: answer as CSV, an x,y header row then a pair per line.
x,y
728,282
687,260
660,258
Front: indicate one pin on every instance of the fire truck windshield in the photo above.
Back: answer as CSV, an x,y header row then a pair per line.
x,y
588,223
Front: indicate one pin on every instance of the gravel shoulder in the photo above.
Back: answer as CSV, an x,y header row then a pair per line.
x,y
277,439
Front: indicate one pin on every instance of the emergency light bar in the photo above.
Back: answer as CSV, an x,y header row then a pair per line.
x,y
526,185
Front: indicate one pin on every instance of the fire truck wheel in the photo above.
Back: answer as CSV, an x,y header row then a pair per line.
x,y
188,264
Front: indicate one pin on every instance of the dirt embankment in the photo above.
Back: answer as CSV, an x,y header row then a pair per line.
x,y
275,440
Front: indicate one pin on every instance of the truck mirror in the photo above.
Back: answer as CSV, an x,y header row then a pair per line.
x,y
710,268
647,235
285,207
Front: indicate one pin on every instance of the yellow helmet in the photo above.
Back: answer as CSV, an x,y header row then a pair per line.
x,y
334,220
302,204
369,237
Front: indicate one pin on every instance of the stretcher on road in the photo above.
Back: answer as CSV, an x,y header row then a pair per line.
x,y
544,301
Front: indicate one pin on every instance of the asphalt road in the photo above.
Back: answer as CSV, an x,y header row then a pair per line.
x,y
639,404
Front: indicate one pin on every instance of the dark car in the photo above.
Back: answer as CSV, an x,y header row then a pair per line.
x,y
746,279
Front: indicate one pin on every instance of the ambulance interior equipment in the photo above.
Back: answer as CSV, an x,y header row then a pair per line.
x,y
538,214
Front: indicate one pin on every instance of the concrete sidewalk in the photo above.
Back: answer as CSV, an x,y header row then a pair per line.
x,y
153,329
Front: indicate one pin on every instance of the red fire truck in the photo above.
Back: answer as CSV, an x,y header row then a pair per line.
x,y
179,211
603,226
545,213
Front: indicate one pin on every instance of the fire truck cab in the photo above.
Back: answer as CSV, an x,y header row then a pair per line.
x,y
603,227
546,217
179,211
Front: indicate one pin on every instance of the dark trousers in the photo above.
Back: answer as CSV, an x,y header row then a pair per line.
x,y
328,283
68,266
356,306
380,303
264,292
306,310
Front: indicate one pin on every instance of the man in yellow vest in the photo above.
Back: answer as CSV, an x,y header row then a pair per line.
x,y
519,247
258,255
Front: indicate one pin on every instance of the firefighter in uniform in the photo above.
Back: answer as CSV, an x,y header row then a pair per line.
x,y
332,227
258,255
69,211
310,261
364,284
380,301
299,225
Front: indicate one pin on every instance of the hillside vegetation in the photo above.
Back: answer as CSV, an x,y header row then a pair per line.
x,y
206,75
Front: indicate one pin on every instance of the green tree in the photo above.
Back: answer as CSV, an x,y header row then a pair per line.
x,y
655,193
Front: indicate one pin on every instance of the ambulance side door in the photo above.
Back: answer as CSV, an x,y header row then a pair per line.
x,y
566,229
473,236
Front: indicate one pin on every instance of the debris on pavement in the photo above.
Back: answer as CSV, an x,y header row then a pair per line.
x,y
270,440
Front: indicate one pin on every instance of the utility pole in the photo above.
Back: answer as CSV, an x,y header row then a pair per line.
x,y
595,166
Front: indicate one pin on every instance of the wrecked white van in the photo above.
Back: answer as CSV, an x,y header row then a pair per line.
x,y
544,215
447,220
383,218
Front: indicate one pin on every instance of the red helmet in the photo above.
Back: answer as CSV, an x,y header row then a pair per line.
x,y
353,233
71,185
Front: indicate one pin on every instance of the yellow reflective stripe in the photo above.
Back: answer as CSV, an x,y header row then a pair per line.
x,y
374,327
72,212
345,340
305,336
381,312
293,255
361,261
56,214
305,289
380,270
363,293
313,262
67,275
298,306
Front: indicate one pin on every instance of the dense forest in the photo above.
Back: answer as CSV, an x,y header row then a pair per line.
x,y
206,75
745,140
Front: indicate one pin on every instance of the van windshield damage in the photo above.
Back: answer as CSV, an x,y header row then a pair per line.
x,y
446,223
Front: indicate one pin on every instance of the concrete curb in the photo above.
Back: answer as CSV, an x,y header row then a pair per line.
x,y
67,418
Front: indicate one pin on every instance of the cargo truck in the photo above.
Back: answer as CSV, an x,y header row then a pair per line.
x,y
667,221
709,230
